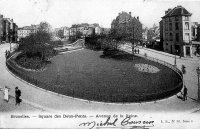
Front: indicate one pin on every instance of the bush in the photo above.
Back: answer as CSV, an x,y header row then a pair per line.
x,y
29,62
108,51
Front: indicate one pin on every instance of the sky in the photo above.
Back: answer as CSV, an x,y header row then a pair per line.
x,y
67,12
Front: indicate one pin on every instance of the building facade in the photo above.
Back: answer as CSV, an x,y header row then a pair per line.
x,y
66,32
26,31
8,30
1,28
198,32
98,30
194,26
84,30
176,31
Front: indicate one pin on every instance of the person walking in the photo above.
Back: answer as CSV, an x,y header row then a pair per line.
x,y
184,93
17,96
6,53
135,51
138,51
6,93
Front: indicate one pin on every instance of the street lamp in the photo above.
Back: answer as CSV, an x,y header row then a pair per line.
x,y
10,46
175,58
198,73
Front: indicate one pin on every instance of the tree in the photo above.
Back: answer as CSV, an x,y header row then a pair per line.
x,y
61,33
37,44
150,35
44,26
78,35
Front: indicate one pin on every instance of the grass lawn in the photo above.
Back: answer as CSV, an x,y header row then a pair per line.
x,y
90,75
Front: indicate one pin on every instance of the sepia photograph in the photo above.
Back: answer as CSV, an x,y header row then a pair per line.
x,y
100,64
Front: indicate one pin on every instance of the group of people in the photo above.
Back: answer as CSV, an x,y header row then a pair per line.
x,y
18,100
136,51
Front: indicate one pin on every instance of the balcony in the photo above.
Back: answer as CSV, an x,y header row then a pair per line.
x,y
187,42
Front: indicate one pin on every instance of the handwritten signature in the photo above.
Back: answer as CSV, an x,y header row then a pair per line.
x,y
125,122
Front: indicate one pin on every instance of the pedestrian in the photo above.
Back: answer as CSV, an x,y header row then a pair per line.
x,y
6,53
6,94
138,51
17,96
184,93
135,51
195,53
180,55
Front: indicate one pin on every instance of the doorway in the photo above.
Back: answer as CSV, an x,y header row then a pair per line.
x,y
187,51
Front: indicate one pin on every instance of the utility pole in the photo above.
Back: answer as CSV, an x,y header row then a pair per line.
x,y
198,73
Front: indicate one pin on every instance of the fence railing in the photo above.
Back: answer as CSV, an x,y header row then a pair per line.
x,y
96,96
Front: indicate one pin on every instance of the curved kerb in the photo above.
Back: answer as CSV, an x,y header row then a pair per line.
x,y
16,71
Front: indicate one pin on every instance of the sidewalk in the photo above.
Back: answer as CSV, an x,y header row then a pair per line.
x,y
11,107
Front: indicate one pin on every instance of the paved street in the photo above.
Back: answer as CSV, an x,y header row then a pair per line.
x,y
10,106
36,99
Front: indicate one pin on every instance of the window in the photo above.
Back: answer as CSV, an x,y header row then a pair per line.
x,y
171,36
176,25
176,18
187,25
187,37
186,18
177,36
166,36
170,26
170,19
166,26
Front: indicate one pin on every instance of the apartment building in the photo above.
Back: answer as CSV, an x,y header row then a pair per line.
x,y
26,31
176,31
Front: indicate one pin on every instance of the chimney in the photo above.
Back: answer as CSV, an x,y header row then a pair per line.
x,y
130,13
167,10
138,18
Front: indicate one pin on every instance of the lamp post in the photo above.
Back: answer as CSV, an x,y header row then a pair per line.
x,y
175,58
198,73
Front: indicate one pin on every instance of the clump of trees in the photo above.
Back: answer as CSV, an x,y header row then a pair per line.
x,y
36,47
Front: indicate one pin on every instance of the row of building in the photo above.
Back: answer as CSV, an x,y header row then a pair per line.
x,y
80,30
8,30
26,31
73,32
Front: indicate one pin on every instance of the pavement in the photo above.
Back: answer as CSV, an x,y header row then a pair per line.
x,y
10,105
38,100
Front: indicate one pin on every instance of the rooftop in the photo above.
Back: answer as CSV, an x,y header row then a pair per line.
x,y
177,11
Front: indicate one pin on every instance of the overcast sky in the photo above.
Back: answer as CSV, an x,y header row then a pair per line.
x,y
67,12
